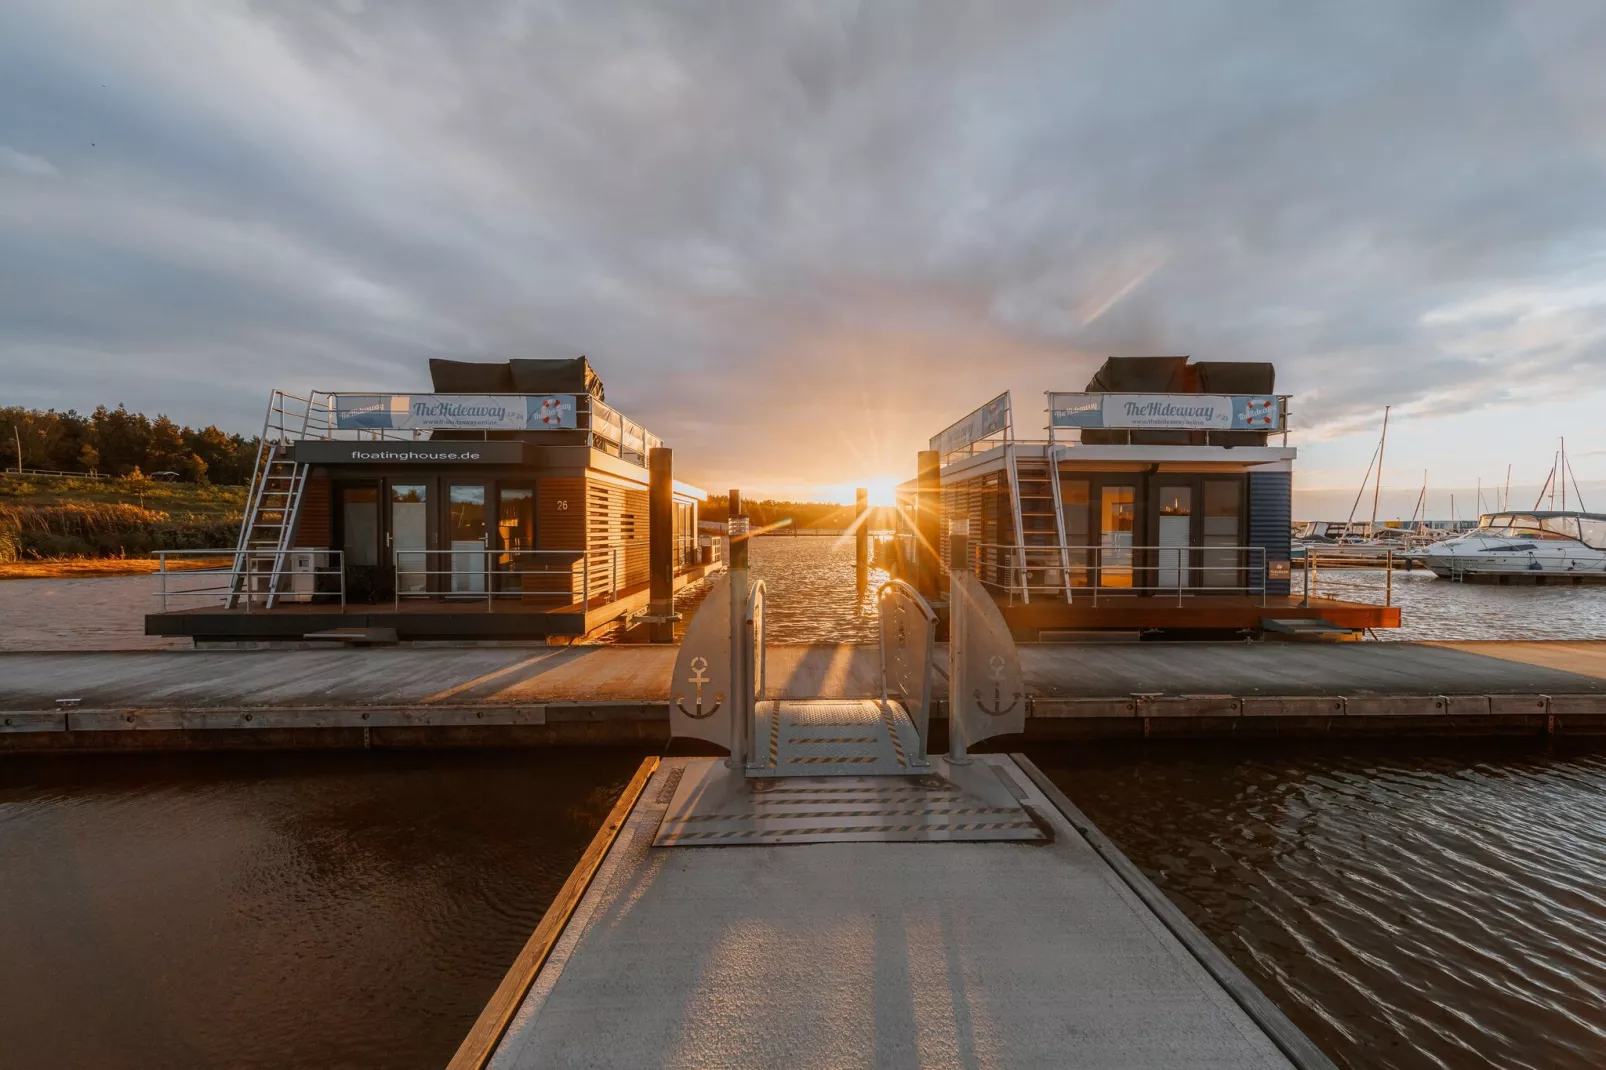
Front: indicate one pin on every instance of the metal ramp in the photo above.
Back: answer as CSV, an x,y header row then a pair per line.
x,y
963,803
841,769
836,737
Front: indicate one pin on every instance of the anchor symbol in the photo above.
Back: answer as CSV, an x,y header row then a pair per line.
x,y
699,665
997,677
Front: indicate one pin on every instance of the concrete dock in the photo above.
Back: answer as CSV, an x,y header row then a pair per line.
x,y
859,954
493,696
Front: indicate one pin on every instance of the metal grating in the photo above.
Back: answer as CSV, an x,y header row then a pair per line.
x,y
818,737
715,805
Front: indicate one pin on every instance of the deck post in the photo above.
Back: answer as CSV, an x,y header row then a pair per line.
x,y
737,526
958,561
661,543
928,523
861,539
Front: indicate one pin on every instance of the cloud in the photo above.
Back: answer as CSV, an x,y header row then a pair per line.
x,y
23,164
798,238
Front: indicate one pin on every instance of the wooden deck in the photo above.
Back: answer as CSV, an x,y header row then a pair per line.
x,y
1192,613
576,695
437,617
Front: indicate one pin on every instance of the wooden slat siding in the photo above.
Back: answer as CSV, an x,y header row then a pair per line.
x,y
560,524
1270,515
616,519
313,527
480,1044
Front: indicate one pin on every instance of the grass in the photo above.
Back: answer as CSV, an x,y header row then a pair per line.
x,y
54,525
63,568
176,499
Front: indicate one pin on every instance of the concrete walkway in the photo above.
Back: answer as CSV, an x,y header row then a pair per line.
x,y
875,955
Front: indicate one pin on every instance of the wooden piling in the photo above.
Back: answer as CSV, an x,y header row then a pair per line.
x,y
661,543
928,522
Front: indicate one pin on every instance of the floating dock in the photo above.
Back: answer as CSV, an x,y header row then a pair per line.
x,y
860,933
522,696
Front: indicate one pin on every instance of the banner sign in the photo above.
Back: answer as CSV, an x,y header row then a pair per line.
x,y
457,412
990,419
431,451
1209,412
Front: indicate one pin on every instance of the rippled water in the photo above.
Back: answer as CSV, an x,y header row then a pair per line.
x,y
1431,608
1407,909
291,910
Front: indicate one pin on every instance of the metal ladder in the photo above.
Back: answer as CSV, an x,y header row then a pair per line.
x,y
1039,516
273,504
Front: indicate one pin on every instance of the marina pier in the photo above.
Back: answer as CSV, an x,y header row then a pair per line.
x,y
500,696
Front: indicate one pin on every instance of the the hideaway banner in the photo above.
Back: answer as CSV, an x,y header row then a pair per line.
x,y
1211,412
467,412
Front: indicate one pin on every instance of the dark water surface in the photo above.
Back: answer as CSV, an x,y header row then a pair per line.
x,y
1431,906
1407,907
288,910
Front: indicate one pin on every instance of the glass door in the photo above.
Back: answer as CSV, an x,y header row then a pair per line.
x,y
1174,535
1117,511
515,538
357,512
465,537
409,536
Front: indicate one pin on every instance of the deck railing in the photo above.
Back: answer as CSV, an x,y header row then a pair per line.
x,y
528,575
1345,566
247,576
1072,572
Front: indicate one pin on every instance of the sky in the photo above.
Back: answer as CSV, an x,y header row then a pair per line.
x,y
796,240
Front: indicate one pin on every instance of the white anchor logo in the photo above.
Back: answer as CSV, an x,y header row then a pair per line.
x,y
699,666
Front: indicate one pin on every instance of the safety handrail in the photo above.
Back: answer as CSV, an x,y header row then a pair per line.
x,y
250,576
920,713
1012,566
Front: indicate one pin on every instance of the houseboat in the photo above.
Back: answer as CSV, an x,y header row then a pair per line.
x,y
1159,502
511,503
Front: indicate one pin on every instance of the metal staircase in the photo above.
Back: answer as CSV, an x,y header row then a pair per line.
x,y
1039,519
273,505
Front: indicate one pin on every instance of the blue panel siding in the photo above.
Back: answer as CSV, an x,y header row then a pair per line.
x,y
1271,507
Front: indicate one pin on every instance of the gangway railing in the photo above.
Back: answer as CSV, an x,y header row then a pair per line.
x,y
1075,572
908,638
754,666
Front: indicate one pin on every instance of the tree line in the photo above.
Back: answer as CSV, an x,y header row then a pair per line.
x,y
119,443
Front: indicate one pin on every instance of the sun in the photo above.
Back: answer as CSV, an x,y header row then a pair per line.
x,y
883,491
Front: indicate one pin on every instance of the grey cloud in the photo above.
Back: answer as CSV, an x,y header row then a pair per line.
x,y
779,219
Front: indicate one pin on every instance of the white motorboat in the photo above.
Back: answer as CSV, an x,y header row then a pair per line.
x,y
1528,545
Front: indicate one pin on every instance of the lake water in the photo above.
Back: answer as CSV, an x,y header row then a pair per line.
x,y
1415,906
1412,908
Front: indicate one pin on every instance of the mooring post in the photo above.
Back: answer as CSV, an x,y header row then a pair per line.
x,y
861,540
958,563
661,543
736,525
928,523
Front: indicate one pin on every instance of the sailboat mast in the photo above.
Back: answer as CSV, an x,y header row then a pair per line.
x,y
1377,487
1505,499
1564,473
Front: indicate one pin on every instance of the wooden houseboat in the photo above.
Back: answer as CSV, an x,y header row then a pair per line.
x,y
512,503
1159,502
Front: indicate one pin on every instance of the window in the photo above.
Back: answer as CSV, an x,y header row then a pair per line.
x,y
1223,509
1074,502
